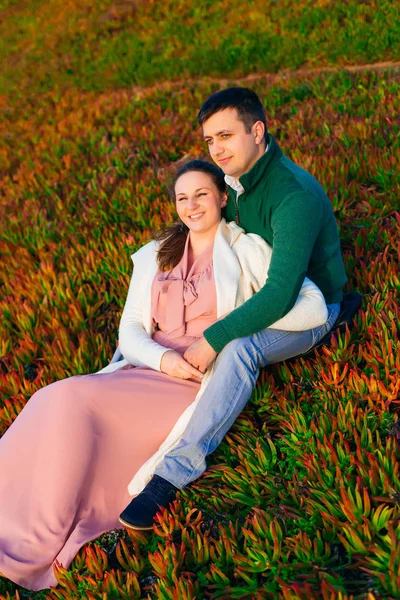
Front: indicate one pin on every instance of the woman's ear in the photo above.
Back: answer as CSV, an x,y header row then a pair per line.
x,y
224,200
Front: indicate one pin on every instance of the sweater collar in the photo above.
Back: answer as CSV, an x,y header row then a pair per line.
x,y
230,232
258,170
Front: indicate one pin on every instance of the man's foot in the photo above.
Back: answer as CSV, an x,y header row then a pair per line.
x,y
139,514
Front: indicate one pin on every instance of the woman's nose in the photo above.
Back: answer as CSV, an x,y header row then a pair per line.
x,y
192,203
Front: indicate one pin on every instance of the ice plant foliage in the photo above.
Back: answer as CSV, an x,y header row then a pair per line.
x,y
115,43
301,500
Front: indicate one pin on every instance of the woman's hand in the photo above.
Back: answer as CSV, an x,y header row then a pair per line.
x,y
173,363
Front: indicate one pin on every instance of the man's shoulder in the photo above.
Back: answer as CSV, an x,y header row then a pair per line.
x,y
287,178
288,190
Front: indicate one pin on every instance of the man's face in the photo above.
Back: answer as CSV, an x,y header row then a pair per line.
x,y
231,147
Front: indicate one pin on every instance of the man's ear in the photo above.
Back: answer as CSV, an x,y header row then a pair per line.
x,y
258,132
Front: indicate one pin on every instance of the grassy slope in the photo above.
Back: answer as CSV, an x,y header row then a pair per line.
x,y
308,473
95,46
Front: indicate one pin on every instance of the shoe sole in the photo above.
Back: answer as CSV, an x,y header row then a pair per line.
x,y
134,527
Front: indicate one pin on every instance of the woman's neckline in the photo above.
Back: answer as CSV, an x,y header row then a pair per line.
x,y
192,261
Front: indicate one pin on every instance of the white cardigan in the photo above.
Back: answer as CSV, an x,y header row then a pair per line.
x,y
240,263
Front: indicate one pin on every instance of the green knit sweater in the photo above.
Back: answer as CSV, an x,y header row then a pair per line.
x,y
288,208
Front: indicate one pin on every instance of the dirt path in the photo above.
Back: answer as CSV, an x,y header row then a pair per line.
x,y
379,66
285,73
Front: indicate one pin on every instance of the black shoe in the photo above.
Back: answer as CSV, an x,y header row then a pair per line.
x,y
139,514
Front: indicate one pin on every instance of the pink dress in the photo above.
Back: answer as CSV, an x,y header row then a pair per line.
x,y
66,461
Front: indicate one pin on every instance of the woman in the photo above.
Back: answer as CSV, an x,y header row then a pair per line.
x,y
66,461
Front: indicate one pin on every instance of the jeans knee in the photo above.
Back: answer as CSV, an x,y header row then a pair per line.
x,y
242,352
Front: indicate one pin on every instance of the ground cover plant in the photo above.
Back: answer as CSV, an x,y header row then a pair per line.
x,y
100,45
302,498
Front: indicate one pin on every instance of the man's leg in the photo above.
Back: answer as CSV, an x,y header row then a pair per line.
x,y
229,390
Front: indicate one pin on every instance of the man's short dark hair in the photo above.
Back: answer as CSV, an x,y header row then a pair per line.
x,y
247,103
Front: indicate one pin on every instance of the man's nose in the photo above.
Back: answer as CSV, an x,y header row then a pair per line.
x,y
216,148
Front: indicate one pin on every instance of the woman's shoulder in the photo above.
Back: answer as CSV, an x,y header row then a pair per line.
x,y
146,254
246,241
147,250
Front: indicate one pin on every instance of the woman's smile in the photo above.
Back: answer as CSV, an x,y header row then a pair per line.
x,y
197,216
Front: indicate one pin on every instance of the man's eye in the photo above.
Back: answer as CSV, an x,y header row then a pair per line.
x,y
226,135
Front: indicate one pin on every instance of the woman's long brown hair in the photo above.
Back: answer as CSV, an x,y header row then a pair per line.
x,y
172,238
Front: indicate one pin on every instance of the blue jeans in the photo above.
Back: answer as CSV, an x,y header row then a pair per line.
x,y
233,381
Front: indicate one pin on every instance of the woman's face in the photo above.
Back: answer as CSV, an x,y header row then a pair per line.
x,y
199,202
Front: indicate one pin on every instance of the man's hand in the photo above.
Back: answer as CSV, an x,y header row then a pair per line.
x,y
173,363
200,354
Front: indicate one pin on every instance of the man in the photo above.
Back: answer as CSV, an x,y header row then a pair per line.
x,y
273,197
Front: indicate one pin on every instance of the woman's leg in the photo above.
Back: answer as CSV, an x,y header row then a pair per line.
x,y
66,462
44,458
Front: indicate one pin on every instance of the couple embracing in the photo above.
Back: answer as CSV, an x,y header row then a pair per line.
x,y
251,274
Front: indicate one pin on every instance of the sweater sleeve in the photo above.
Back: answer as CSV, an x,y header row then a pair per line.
x,y
309,310
135,343
295,224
